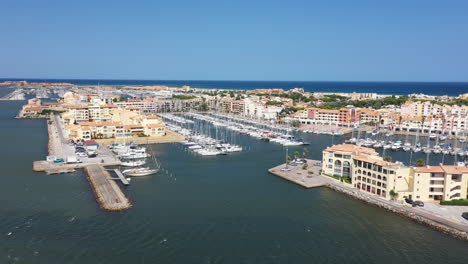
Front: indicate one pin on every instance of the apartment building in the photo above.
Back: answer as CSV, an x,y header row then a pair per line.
x,y
440,182
260,110
340,117
370,173
156,105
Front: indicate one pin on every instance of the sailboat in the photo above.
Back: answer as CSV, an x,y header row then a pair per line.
x,y
140,172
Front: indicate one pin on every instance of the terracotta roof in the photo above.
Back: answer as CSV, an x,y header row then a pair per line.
x,y
376,160
351,148
154,125
33,108
442,169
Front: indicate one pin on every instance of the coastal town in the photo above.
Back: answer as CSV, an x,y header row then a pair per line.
x,y
99,126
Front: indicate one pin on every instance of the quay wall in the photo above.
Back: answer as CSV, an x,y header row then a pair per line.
x,y
443,227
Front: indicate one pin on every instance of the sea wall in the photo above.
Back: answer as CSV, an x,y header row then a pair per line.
x,y
420,219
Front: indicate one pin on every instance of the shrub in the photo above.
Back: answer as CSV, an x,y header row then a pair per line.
x,y
455,202
346,179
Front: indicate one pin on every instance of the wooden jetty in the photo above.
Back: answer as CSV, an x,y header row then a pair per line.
x,y
108,194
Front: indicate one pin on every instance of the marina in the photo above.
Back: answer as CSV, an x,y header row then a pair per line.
x,y
189,178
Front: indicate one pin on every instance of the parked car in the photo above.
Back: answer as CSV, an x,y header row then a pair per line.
x,y
81,154
418,203
80,149
409,201
465,215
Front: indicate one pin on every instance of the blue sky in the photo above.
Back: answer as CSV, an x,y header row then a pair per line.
x,y
408,40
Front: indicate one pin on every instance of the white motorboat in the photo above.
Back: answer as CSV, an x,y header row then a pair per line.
x,y
432,136
396,145
130,155
387,146
427,150
133,163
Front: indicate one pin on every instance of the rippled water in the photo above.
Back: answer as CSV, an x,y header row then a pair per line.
x,y
202,210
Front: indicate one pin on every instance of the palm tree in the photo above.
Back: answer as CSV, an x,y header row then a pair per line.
x,y
304,152
296,155
387,158
288,158
422,123
420,163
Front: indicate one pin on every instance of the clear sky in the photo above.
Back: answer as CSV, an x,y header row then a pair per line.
x,y
329,40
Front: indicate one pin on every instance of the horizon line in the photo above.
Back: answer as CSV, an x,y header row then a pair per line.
x,y
214,80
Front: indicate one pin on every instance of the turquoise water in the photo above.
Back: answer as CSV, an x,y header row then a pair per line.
x,y
224,209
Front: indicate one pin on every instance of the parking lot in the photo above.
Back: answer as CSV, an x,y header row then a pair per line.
x,y
61,147
448,211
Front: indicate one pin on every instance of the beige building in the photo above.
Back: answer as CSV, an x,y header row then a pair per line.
x,y
370,173
440,182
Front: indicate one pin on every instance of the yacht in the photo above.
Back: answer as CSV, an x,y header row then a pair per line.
x,y
427,150
437,149
432,136
396,145
417,147
133,163
138,172
133,155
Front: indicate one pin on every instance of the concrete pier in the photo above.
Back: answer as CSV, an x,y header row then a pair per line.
x,y
307,178
108,194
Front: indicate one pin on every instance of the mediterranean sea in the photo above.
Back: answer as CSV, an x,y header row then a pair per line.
x,y
390,88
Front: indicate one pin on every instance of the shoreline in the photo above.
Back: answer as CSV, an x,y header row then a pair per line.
x,y
457,230
424,220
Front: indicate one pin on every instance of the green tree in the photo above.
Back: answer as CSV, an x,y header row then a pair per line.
x,y
304,152
387,158
393,194
296,123
296,155
420,163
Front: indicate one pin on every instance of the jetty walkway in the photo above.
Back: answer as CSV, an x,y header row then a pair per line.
x,y
108,193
